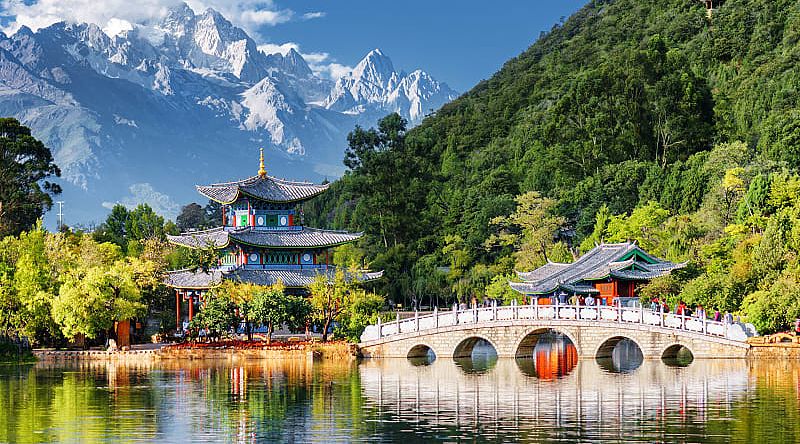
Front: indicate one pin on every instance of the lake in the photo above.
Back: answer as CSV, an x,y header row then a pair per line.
x,y
549,397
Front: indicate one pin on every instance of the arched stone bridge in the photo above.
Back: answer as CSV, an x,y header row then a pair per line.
x,y
514,330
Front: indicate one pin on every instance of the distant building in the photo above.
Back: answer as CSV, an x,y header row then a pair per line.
x,y
262,239
606,272
712,5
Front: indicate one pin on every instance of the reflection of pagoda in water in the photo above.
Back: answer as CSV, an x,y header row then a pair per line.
x,y
554,358
262,239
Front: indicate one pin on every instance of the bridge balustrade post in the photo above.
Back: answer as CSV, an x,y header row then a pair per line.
x,y
436,317
536,312
641,315
416,319
380,328
494,310
475,313
455,312
705,324
597,309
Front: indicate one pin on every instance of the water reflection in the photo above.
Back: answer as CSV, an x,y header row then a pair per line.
x,y
393,400
677,356
625,356
506,405
554,356
481,357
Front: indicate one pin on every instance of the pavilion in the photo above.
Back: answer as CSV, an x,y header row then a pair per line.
x,y
606,272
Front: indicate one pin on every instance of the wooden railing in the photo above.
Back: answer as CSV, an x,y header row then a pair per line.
x,y
557,314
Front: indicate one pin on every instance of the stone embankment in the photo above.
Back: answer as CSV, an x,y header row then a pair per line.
x,y
303,351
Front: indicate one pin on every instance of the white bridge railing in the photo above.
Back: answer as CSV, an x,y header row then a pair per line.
x,y
555,313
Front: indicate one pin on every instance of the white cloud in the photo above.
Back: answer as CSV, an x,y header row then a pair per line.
x,y
271,48
144,193
117,26
320,62
335,70
313,15
115,16
248,14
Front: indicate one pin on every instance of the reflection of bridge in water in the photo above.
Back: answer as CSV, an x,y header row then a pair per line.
x,y
514,330
445,396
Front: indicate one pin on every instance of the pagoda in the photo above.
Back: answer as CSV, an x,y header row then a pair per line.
x,y
261,241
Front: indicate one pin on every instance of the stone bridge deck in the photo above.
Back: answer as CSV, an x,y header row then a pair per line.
x,y
514,330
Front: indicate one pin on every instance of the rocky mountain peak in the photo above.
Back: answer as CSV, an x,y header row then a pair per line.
x,y
187,88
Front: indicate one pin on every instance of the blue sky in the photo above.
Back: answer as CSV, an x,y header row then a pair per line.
x,y
459,42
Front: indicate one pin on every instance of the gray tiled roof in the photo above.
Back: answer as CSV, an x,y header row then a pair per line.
x,y
542,272
294,278
193,279
304,238
603,261
307,237
216,237
290,278
266,188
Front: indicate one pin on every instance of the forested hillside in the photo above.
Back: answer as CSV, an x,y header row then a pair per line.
x,y
632,120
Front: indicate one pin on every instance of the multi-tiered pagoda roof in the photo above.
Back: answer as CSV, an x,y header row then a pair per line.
x,y
262,239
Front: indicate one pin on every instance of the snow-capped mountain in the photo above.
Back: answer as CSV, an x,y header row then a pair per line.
x,y
188,99
374,85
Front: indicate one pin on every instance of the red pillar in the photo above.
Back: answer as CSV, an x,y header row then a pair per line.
x,y
191,308
177,310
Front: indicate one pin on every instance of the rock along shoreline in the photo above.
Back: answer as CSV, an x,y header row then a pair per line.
x,y
341,351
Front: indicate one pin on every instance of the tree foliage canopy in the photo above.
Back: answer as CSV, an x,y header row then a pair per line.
x,y
25,167
638,121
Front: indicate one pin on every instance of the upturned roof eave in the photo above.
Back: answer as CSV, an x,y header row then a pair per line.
x,y
318,189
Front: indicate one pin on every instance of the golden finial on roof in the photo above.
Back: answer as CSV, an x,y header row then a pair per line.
x,y
262,172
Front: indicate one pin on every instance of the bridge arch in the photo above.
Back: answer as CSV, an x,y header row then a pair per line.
x,y
467,344
679,353
608,344
523,348
420,350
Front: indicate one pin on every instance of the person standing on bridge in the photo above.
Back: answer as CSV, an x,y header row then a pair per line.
x,y
717,315
590,300
654,305
701,313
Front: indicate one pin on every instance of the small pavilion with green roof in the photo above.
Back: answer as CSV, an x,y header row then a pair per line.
x,y
606,272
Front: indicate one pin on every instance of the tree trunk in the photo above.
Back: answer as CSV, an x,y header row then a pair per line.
x,y
325,330
269,333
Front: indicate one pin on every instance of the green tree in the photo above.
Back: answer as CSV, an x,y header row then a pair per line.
x,y
144,223
217,315
25,166
330,299
91,299
363,310
273,307
114,228
191,216
532,230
